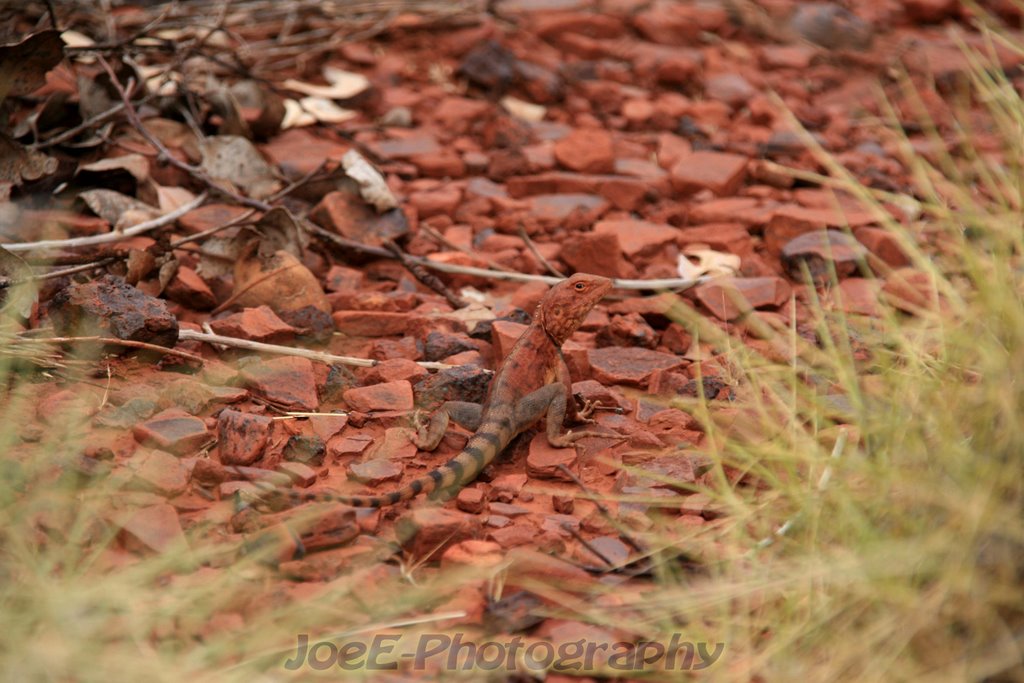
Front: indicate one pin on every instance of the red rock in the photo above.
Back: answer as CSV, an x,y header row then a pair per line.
x,y
258,324
388,396
426,532
732,89
633,367
553,209
629,330
472,500
787,56
440,202
242,437
883,244
831,26
677,68
638,111
298,472
351,217
720,236
64,408
443,164
638,238
155,528
299,151
909,290
326,426
720,172
160,472
586,150
624,192
370,323
457,114
594,252
504,334
822,251
790,221
109,307
209,216
667,23
289,382
472,553
543,461
375,472
672,149
930,11
188,289
860,296
172,430
406,147
746,210
729,298
513,536
395,369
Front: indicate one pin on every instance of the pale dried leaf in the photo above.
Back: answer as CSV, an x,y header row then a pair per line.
x,y
326,111
709,262
279,231
343,85
112,206
236,160
372,186
171,198
526,111
211,267
295,116
135,164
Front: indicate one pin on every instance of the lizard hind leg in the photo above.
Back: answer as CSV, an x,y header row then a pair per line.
x,y
551,399
463,413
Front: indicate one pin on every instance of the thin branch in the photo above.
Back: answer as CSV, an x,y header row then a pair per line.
x,y
192,335
536,254
115,236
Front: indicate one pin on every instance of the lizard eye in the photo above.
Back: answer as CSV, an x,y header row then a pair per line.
x,y
580,286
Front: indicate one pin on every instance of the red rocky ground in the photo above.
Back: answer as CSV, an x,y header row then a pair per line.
x,y
658,135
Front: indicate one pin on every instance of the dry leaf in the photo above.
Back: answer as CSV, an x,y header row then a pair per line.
x,y
23,65
171,198
709,262
281,282
326,111
115,207
343,85
18,164
218,257
279,231
135,164
295,116
526,111
17,289
372,186
236,160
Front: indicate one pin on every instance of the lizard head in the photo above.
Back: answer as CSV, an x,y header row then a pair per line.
x,y
564,307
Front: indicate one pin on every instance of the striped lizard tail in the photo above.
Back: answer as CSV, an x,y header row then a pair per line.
x,y
481,449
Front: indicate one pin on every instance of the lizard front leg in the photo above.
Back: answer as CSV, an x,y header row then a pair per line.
x,y
463,413
552,400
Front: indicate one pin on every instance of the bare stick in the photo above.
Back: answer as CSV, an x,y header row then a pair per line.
x,y
192,335
213,231
108,237
533,250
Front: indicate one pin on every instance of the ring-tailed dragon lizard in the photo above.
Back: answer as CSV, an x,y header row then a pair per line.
x,y
532,383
